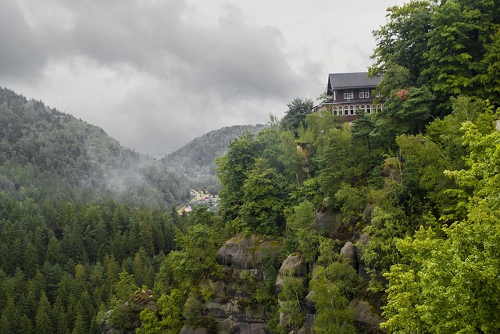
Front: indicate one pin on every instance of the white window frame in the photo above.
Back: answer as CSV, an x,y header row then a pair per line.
x,y
364,93
348,94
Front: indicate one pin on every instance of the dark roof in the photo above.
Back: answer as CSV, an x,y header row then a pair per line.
x,y
351,80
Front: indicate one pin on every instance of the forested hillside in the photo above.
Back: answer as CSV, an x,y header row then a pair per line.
x,y
390,223
196,159
54,153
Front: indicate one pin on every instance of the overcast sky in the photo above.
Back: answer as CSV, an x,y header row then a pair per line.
x,y
155,74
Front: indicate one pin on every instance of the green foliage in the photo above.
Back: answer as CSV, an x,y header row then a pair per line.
x,y
295,117
125,287
298,219
149,323
408,110
263,200
231,171
195,258
334,161
352,202
291,295
446,48
333,288
43,323
170,309
491,62
449,284
197,158
192,310
460,32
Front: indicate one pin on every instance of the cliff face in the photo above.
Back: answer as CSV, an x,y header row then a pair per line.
x,y
235,306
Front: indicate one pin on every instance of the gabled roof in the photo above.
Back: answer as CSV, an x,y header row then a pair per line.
x,y
351,80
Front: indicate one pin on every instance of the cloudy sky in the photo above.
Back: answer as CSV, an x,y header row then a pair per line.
x,y
155,74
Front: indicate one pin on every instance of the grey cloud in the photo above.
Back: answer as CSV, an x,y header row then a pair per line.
x,y
230,58
21,53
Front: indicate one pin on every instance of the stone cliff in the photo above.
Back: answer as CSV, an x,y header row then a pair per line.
x,y
235,306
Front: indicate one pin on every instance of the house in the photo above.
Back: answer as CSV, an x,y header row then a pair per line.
x,y
349,93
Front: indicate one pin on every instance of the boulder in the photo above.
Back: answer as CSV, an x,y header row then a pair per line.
x,y
309,303
364,318
307,328
367,214
294,264
228,326
253,328
328,222
193,330
349,252
363,241
245,251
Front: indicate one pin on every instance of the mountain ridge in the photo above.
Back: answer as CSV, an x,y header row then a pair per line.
x,y
197,158
77,155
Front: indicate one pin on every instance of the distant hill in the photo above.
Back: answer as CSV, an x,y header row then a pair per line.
x,y
196,160
43,149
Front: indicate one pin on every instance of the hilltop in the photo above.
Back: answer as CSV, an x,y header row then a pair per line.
x,y
43,148
196,159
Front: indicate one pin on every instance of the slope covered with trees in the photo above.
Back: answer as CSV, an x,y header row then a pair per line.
x,y
196,159
51,151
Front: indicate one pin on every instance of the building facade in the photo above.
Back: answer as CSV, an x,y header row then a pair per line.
x,y
350,93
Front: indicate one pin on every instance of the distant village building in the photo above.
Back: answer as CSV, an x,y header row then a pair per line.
x,y
349,93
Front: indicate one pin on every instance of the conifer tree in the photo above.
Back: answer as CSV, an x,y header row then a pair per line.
x,y
43,322
10,321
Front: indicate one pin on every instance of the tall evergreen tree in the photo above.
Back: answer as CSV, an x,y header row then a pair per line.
x,y
43,322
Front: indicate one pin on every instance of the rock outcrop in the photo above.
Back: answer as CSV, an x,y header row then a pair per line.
x,y
245,252
365,319
362,242
143,299
233,307
295,266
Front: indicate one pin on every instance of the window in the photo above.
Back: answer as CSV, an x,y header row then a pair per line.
x,y
346,110
348,94
351,110
368,108
334,111
364,93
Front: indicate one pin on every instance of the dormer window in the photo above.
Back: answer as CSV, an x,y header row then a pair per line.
x,y
348,94
364,93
